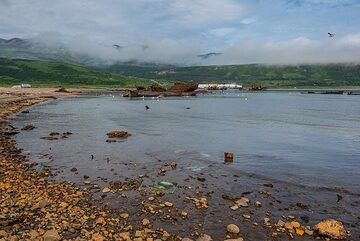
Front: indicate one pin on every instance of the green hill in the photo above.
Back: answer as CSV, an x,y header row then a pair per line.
x,y
273,76
50,74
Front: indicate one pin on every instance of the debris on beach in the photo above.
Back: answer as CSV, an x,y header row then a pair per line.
x,y
229,157
165,187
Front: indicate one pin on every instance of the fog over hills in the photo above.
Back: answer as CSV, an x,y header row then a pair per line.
x,y
84,51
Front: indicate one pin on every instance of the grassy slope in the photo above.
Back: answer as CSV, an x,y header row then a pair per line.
x,y
51,74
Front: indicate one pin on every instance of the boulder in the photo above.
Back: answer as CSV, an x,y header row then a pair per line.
x,y
183,87
331,228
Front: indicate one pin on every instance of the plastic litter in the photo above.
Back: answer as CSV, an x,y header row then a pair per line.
x,y
164,186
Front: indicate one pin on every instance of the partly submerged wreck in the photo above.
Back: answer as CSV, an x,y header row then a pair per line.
x,y
178,89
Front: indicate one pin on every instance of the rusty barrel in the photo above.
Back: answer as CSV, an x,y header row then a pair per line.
x,y
229,156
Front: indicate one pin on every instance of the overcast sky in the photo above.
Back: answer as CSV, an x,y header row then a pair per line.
x,y
175,31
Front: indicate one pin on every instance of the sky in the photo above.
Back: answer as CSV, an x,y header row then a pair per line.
x,y
176,31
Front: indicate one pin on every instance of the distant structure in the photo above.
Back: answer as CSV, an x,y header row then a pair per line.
x,y
331,35
21,86
25,86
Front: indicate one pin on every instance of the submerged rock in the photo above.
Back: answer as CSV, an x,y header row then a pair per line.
x,y
331,228
28,128
118,134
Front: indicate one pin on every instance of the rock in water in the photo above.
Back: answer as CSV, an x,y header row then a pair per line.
x,y
232,228
51,235
118,134
331,228
28,128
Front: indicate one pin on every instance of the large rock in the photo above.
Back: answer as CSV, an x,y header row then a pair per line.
x,y
331,228
183,87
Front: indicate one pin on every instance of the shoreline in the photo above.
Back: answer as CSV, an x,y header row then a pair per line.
x,y
35,208
61,202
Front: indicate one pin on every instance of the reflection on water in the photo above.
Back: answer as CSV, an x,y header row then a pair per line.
x,y
306,139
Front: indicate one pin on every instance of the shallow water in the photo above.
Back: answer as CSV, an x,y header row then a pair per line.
x,y
312,140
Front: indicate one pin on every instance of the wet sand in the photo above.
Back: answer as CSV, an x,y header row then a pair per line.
x,y
33,202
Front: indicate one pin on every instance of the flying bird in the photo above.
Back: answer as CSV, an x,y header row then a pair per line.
x,y
331,35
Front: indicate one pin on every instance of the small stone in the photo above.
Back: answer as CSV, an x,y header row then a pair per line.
x,y
151,198
246,216
125,235
295,224
145,222
184,214
267,221
235,239
51,235
106,190
234,208
288,226
100,221
64,205
41,204
168,204
204,237
74,169
280,223
232,228
186,239
309,232
242,202
33,234
331,228
257,204
3,234
97,237
299,231
124,215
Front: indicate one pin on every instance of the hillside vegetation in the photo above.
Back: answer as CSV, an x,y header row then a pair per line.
x,y
50,74
329,75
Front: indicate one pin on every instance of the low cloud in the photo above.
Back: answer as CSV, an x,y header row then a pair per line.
x,y
300,50
295,51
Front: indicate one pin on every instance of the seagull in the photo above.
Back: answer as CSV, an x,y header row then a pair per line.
x,y
331,35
